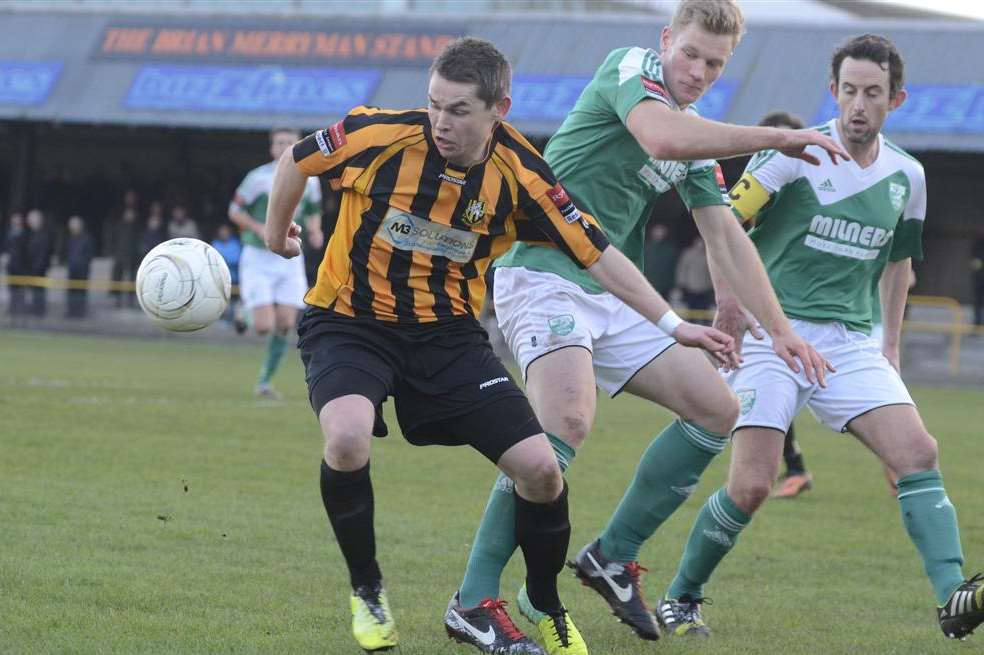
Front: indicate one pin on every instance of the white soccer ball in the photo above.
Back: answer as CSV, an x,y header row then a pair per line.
x,y
183,284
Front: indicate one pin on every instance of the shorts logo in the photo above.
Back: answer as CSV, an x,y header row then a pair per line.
x,y
746,400
474,212
331,139
561,325
489,383
558,196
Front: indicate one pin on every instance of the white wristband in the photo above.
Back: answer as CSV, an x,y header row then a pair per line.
x,y
669,322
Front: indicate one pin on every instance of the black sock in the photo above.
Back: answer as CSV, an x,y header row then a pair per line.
x,y
348,500
792,454
543,532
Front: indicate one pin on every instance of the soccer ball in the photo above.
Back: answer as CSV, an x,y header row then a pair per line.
x,y
183,284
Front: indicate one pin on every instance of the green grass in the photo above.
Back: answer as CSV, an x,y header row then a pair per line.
x,y
149,505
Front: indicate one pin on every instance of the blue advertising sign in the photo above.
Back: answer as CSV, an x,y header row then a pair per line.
x,y
717,101
274,89
27,83
930,108
551,97
545,97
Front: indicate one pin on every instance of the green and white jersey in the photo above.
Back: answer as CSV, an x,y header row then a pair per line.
x,y
608,174
253,196
827,232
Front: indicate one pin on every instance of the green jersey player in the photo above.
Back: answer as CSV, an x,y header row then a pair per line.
x,y
632,136
271,287
828,237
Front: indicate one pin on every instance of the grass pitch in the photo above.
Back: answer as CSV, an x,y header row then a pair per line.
x,y
148,504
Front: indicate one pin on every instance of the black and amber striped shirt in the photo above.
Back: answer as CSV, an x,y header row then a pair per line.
x,y
415,235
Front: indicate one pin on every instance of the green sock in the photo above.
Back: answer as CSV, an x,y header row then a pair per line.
x,y
931,522
666,476
712,537
495,540
276,346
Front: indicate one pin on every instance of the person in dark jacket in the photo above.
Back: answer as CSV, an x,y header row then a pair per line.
x,y
15,245
155,232
124,245
39,251
79,250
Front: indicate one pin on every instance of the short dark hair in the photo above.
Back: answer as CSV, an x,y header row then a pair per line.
x,y
475,61
274,131
781,119
871,47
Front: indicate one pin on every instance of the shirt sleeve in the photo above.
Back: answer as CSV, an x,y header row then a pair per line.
x,y
703,186
907,241
547,205
325,151
247,191
628,76
767,172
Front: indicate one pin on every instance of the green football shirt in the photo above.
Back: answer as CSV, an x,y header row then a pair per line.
x,y
608,174
253,196
827,232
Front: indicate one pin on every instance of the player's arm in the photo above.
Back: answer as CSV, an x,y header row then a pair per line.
x,y
241,219
740,279
282,234
622,279
578,235
668,134
894,288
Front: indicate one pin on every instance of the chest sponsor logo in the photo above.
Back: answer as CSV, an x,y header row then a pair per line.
x,y
661,175
474,212
897,193
405,231
558,196
331,139
847,238
561,325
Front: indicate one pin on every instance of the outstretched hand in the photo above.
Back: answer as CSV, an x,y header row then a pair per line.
x,y
717,344
796,142
734,320
791,347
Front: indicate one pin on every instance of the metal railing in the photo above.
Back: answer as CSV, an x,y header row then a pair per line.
x,y
957,327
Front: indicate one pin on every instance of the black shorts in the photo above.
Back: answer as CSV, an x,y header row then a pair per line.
x,y
448,386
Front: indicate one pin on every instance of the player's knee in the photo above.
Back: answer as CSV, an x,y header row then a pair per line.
x,y
923,455
750,494
571,426
539,480
723,421
262,330
346,442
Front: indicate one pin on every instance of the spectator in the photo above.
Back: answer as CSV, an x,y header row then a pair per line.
x,y
15,245
181,225
39,251
124,248
154,232
694,278
977,268
660,255
229,246
78,253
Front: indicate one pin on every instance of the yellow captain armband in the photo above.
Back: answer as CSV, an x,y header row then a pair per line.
x,y
748,196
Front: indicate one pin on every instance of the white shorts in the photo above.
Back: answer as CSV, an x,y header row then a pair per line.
x,y
771,394
539,313
266,278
